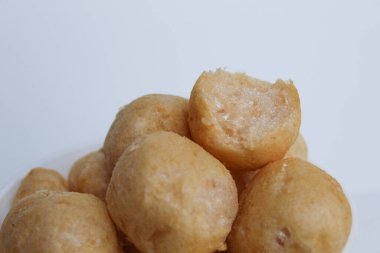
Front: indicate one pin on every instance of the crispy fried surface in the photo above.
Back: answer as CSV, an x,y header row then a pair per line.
x,y
169,195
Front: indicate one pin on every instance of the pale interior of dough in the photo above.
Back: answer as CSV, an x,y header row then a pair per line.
x,y
246,109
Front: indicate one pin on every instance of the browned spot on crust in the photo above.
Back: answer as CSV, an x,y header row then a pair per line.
x,y
283,236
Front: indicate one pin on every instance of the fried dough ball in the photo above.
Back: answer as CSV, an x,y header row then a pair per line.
x,y
147,114
90,175
40,179
244,122
291,206
167,194
298,149
59,222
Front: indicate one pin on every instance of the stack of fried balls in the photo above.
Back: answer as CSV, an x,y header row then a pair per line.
x,y
223,171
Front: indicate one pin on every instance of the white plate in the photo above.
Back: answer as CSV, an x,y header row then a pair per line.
x,y
366,207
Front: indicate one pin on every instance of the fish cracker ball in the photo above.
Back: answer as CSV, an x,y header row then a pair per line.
x,y
40,179
59,222
90,175
147,114
298,149
167,194
291,206
244,122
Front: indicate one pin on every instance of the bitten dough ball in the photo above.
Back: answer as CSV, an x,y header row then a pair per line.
x,y
291,206
147,114
40,179
90,175
167,194
244,122
59,222
297,150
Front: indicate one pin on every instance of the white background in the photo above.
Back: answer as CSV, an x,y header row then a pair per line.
x,y
67,66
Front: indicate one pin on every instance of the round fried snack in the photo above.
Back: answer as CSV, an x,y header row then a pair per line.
x,y
147,114
40,179
167,194
59,222
244,122
90,175
291,206
298,149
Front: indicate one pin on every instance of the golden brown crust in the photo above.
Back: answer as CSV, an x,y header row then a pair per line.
x,y
298,149
244,122
291,206
147,114
59,222
90,175
167,194
40,179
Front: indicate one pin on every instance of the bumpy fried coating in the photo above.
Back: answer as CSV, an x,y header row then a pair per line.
x,y
291,206
59,222
147,114
40,179
167,194
90,175
297,150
